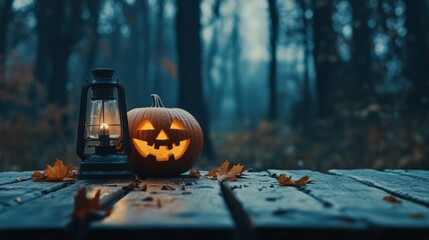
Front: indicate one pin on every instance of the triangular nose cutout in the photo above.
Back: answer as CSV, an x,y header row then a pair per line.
x,y
162,135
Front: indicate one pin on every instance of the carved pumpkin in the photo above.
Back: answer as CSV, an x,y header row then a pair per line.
x,y
165,141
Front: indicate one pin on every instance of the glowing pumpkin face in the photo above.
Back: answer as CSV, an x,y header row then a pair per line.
x,y
162,148
165,141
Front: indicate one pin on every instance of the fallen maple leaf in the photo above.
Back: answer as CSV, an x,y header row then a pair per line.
x,y
37,176
391,199
194,174
59,172
225,172
230,175
287,181
212,173
83,205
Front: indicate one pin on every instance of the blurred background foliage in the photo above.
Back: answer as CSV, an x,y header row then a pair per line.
x,y
312,84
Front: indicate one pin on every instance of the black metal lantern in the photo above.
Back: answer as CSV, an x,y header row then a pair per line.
x,y
103,141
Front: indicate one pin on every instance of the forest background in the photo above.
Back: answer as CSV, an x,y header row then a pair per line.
x,y
284,83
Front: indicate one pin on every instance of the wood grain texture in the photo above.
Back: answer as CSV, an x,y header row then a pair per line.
x,y
25,191
174,207
344,204
13,177
412,173
408,187
359,202
50,216
286,211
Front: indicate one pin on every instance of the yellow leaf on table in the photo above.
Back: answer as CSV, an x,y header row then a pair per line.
x,y
287,181
83,205
194,174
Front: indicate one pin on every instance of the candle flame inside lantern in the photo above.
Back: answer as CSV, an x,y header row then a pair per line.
x,y
104,131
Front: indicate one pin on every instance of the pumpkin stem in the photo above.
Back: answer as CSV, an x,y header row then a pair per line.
x,y
156,101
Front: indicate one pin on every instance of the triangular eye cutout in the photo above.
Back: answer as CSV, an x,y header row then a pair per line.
x,y
146,125
177,124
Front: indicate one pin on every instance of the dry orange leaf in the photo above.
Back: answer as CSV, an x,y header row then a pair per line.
x,y
225,172
212,173
391,199
194,174
83,205
287,181
230,175
59,172
37,176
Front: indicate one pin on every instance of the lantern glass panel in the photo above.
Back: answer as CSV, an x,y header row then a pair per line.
x,y
103,120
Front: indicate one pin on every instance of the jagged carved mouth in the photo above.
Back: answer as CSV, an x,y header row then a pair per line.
x,y
162,152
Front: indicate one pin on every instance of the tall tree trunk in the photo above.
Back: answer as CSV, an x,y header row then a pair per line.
x,y
94,37
44,15
213,46
159,48
189,59
272,78
59,23
362,87
5,17
325,56
236,53
417,58
144,83
306,95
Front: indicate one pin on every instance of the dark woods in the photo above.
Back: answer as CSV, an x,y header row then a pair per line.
x,y
285,84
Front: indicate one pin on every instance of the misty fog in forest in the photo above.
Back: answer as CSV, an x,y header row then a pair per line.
x,y
297,84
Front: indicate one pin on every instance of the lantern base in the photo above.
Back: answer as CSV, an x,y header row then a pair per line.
x,y
110,166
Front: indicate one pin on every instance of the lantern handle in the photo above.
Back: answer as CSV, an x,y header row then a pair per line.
x,y
156,101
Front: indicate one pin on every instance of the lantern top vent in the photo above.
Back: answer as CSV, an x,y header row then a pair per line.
x,y
103,74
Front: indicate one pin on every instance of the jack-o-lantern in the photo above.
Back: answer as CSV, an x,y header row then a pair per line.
x,y
165,141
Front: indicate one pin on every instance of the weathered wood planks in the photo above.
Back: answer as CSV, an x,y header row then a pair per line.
x,y
413,173
13,177
359,202
176,207
288,212
415,189
25,191
342,204
50,216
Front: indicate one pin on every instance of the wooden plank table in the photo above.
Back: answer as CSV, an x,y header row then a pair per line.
x,y
340,204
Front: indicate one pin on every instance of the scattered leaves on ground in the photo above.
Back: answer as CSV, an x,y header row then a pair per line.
x,y
194,174
138,185
58,172
287,181
83,205
226,172
391,199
